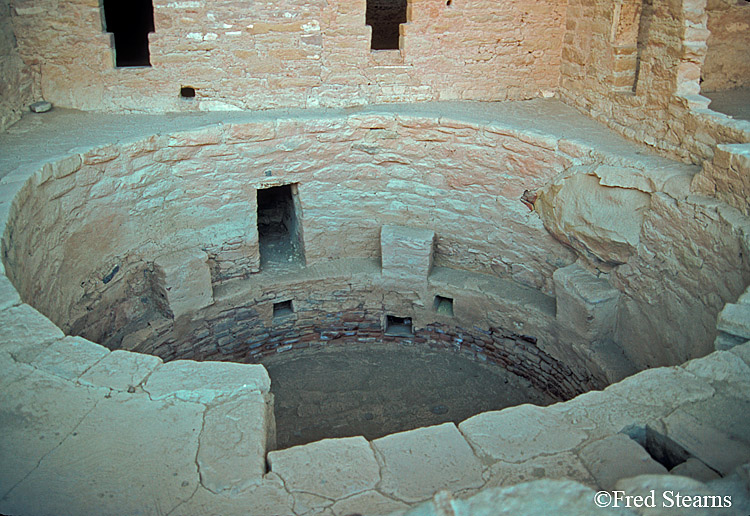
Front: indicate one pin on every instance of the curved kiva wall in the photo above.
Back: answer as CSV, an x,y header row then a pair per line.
x,y
88,235
204,428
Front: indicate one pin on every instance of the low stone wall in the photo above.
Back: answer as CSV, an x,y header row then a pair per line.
x,y
325,314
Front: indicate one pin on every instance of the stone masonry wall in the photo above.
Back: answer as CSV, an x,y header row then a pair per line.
x,y
197,190
342,309
307,54
661,105
726,64
16,83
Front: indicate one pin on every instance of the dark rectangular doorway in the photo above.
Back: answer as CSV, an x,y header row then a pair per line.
x,y
279,227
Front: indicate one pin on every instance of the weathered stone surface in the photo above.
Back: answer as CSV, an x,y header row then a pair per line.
x,y
369,502
538,498
134,472
695,469
38,411
518,434
585,304
8,293
40,107
24,332
670,486
722,367
616,457
236,434
664,302
665,388
560,466
735,320
268,497
70,357
120,370
716,447
406,253
418,463
185,279
205,381
331,468
603,223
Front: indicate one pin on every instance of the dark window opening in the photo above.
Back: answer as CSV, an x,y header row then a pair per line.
x,y
187,92
282,309
444,305
385,17
398,326
279,227
130,22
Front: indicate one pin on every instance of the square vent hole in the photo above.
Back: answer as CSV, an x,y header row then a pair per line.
x,y
443,305
398,326
282,309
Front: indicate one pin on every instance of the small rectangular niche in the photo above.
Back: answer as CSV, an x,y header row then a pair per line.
x,y
398,326
385,17
282,309
444,305
279,226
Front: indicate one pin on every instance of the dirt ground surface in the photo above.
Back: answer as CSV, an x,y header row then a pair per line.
x,y
378,389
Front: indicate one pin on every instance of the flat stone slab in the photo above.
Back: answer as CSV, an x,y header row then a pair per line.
x,y
418,463
520,433
121,370
232,453
331,468
24,332
371,503
129,455
71,357
735,320
204,381
8,293
616,457
560,466
37,412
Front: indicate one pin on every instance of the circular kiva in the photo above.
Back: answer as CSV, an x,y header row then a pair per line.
x,y
554,251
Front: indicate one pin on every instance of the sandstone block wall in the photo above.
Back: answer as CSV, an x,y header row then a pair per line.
x,y
726,65
662,107
294,53
16,79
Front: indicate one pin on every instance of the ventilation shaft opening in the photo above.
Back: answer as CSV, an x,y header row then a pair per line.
x,y
279,227
385,18
130,22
